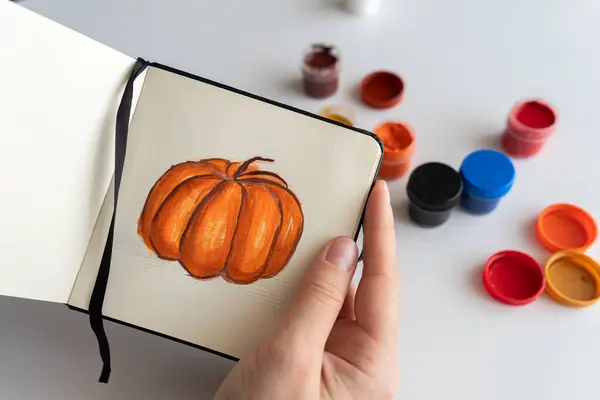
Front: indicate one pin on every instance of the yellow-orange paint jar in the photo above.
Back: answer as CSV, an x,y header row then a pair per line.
x,y
339,114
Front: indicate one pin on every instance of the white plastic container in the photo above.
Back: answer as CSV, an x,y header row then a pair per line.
x,y
363,7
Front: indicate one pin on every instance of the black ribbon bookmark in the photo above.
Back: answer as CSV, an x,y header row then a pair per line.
x,y
97,298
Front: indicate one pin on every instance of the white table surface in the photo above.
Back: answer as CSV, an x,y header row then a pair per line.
x,y
465,62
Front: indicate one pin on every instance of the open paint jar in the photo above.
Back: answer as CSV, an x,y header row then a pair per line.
x,y
573,278
513,278
488,175
339,114
320,71
398,147
433,189
530,124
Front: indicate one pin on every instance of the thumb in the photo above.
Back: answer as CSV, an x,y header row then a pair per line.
x,y
322,292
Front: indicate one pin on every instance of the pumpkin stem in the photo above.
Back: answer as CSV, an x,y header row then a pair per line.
x,y
242,168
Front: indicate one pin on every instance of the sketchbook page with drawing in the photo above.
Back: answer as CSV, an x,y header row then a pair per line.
x,y
224,202
59,93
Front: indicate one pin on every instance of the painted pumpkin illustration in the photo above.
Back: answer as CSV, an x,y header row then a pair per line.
x,y
218,217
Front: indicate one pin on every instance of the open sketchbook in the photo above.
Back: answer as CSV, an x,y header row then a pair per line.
x,y
224,198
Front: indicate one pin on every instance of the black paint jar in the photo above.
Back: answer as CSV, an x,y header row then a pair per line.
x,y
433,189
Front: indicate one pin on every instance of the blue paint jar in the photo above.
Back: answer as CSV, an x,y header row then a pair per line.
x,y
488,175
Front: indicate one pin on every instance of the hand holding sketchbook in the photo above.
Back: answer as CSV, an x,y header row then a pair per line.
x,y
223,201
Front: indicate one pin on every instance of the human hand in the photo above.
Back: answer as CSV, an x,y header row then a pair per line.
x,y
335,341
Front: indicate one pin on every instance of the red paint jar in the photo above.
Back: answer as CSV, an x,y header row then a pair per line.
x,y
320,71
530,124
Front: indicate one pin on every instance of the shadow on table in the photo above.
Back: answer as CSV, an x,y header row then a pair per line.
x,y
476,277
400,209
530,235
291,85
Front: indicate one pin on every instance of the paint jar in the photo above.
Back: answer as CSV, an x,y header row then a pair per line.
x,y
530,124
363,7
398,147
343,115
433,189
488,175
320,71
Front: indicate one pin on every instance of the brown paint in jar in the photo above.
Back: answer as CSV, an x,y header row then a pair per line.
x,y
320,71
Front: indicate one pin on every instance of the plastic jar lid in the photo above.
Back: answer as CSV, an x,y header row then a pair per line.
x,y
382,89
566,227
513,278
487,174
434,186
573,278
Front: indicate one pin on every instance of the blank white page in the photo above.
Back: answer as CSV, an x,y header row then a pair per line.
x,y
59,92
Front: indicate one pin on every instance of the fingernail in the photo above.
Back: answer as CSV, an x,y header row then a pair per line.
x,y
343,253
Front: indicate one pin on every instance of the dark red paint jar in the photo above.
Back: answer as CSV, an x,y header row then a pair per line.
x,y
321,71
530,124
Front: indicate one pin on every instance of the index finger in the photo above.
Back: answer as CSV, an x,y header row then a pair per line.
x,y
376,306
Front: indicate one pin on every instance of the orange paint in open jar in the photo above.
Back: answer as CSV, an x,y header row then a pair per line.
x,y
398,147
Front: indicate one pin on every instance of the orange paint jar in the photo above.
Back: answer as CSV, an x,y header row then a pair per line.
x,y
398,147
